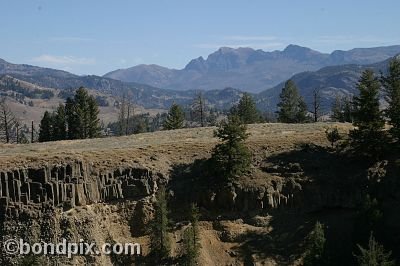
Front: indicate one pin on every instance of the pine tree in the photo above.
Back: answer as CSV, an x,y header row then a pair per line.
x,y
93,121
82,116
292,108
315,246
333,135
191,239
391,84
175,118
82,112
247,110
342,109
231,157
368,136
159,238
46,127
337,110
60,124
374,255
72,119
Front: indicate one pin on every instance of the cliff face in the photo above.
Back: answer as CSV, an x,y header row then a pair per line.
x,y
74,201
103,190
69,185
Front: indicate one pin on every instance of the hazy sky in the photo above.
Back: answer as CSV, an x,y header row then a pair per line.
x,y
94,37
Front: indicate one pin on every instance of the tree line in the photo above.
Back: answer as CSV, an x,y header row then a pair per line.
x,y
76,119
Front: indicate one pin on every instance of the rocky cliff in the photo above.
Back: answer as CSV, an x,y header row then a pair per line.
x,y
103,190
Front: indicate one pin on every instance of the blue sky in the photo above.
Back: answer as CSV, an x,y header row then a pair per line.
x,y
94,37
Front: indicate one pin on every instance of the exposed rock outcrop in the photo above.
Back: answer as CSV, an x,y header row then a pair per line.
x,y
69,185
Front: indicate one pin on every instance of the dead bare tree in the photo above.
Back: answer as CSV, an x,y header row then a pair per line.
x,y
7,121
316,104
122,116
199,107
131,113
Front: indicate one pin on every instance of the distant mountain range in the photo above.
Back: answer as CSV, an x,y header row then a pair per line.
x,y
141,94
331,80
248,69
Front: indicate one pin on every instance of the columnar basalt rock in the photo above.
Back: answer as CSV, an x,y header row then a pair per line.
x,y
71,184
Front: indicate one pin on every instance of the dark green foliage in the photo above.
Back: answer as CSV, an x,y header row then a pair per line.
x,y
82,116
60,124
16,87
46,127
315,246
191,238
93,122
292,108
333,135
231,157
72,119
140,123
342,110
81,103
66,93
247,110
159,238
369,218
368,137
370,212
157,122
374,254
102,101
175,118
77,120
391,84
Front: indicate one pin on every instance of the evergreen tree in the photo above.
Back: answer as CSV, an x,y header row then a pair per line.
x,y
315,246
374,255
292,108
159,238
247,110
348,110
231,157
46,127
60,123
342,109
337,110
175,118
333,135
368,136
82,116
72,119
94,121
391,84
191,240
82,112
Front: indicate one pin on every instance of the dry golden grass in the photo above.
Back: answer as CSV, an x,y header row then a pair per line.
x,y
159,150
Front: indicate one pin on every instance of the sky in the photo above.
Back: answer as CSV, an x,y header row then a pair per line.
x,y
95,37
